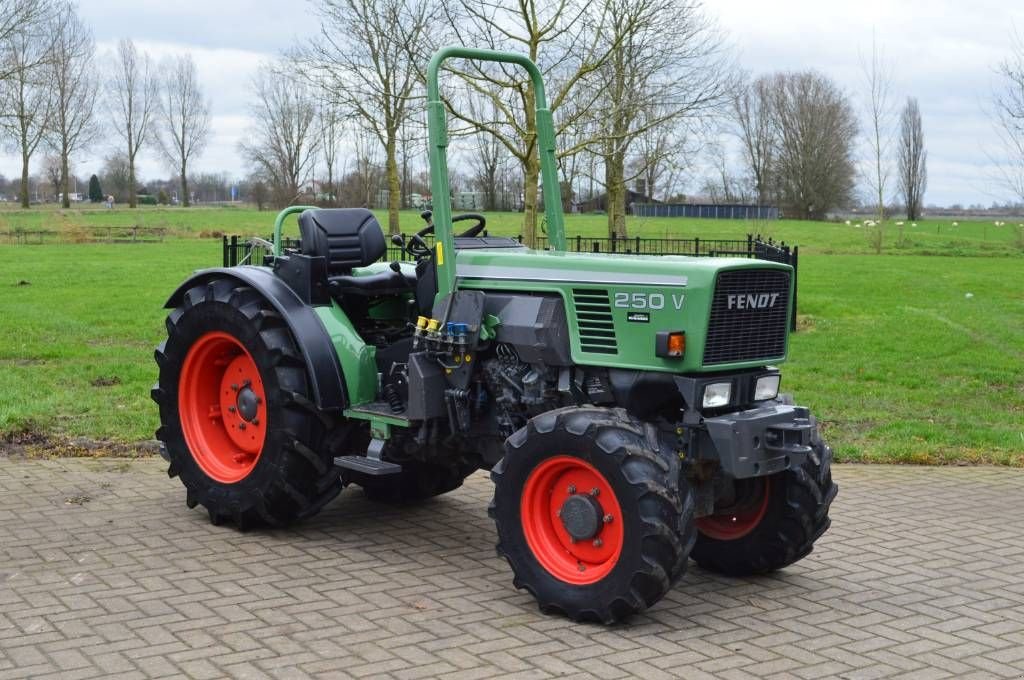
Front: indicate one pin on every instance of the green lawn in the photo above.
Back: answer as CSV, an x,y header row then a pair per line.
x,y
904,357
929,237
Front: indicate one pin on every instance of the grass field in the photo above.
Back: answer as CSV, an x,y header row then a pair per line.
x,y
904,357
929,237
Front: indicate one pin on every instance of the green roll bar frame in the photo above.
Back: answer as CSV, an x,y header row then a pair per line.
x,y
437,125
439,187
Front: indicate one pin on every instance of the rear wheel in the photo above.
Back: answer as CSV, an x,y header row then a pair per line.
x,y
590,513
773,521
237,420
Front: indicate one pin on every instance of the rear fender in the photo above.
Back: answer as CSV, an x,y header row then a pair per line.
x,y
322,364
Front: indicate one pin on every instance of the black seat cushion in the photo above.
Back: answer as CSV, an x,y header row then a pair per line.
x,y
387,282
346,237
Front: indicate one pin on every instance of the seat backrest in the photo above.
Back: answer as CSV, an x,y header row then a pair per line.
x,y
346,237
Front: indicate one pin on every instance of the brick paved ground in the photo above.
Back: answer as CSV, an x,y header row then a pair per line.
x,y
105,573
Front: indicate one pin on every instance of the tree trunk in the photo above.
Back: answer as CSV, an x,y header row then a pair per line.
x,y
615,203
184,188
394,186
132,198
65,181
23,194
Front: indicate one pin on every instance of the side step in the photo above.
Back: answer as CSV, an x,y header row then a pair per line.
x,y
371,463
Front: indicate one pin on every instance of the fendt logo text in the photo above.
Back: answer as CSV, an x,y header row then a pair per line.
x,y
762,301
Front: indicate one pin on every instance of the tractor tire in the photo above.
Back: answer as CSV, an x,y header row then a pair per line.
x,y
418,481
591,513
237,420
774,522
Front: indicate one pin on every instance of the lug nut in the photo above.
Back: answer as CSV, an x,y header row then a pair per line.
x,y
608,519
582,567
595,491
598,542
255,421
259,400
231,409
234,387
572,488
246,383
241,426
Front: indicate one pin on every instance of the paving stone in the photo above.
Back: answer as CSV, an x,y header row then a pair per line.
x,y
915,579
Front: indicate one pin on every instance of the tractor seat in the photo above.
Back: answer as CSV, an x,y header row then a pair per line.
x,y
391,281
345,237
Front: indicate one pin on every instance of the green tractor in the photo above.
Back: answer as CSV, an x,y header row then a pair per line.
x,y
627,407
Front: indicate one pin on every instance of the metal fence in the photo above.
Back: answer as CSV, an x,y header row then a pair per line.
x,y
707,210
84,235
239,250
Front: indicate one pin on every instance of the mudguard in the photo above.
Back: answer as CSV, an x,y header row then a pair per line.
x,y
322,364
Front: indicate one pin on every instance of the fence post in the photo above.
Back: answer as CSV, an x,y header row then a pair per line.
x,y
696,246
234,251
613,241
224,247
750,245
637,245
579,243
596,246
794,260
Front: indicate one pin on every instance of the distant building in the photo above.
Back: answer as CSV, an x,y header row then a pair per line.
x,y
600,203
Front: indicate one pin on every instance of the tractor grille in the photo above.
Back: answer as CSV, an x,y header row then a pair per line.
x,y
748,316
594,322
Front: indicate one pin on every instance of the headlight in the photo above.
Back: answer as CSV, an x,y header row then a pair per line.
x,y
767,387
717,394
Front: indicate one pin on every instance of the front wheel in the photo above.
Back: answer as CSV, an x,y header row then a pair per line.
x,y
591,514
772,522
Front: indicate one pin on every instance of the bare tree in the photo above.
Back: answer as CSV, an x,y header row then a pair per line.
x,y
329,120
52,171
912,159
648,82
564,38
75,87
878,81
184,117
25,88
18,17
756,130
284,141
370,56
1008,102
117,176
816,129
131,100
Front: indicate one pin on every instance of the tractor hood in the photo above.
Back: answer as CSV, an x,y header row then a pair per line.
x,y
734,311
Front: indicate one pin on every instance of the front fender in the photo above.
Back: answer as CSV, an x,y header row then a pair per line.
x,y
322,365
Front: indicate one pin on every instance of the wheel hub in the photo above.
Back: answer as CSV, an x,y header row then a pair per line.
x,y
247,403
221,404
581,516
572,520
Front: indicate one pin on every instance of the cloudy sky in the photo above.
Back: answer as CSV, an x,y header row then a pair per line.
x,y
943,52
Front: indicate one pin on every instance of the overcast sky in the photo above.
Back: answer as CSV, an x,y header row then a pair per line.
x,y
943,52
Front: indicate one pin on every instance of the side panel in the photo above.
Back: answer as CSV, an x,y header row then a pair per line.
x,y
358,360
318,350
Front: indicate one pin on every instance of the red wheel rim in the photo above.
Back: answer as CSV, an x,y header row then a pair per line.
x,y
741,519
222,406
547,489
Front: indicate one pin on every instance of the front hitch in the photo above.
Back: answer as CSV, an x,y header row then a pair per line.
x,y
760,441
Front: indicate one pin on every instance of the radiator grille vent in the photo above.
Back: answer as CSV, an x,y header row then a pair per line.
x,y
594,322
749,315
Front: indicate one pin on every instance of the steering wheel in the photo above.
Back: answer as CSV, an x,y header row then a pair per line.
x,y
417,246
481,224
